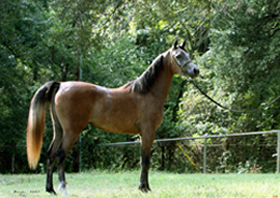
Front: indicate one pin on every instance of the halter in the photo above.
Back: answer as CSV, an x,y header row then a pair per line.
x,y
185,65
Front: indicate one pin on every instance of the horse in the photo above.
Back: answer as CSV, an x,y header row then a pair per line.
x,y
134,108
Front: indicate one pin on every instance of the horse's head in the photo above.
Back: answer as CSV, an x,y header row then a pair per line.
x,y
181,62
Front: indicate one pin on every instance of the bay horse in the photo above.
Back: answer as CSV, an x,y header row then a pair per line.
x,y
135,108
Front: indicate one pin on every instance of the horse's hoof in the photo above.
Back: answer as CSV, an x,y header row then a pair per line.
x,y
51,191
62,188
144,188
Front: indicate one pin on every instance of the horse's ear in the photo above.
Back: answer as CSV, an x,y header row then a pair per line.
x,y
183,44
175,44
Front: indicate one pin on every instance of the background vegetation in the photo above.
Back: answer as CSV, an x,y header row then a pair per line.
x,y
236,45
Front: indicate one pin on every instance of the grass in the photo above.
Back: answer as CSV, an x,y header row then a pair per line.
x,y
125,184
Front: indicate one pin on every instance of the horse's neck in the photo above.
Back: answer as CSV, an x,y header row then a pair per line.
x,y
162,84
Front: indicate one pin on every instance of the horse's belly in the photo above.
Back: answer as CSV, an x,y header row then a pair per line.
x,y
116,118
116,125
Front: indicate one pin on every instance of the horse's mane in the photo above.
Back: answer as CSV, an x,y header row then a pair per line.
x,y
143,83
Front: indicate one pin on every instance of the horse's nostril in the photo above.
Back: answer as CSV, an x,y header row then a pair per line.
x,y
196,71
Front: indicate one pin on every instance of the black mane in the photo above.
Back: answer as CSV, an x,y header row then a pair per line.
x,y
143,83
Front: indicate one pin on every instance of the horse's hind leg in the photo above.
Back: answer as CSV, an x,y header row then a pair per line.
x,y
66,144
146,145
51,153
51,156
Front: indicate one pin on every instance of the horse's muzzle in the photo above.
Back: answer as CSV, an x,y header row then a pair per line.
x,y
191,70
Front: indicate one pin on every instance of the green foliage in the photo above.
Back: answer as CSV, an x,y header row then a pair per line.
x,y
235,45
239,70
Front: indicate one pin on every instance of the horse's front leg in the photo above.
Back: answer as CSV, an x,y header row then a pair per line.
x,y
146,145
145,165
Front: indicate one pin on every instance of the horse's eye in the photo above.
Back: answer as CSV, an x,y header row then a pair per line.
x,y
178,56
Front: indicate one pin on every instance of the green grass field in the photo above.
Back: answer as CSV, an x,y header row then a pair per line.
x,y
125,184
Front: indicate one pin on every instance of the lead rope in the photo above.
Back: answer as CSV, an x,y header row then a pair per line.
x,y
238,111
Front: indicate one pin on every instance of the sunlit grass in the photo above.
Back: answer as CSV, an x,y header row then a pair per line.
x,y
125,184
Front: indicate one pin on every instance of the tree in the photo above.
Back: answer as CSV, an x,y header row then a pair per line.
x,y
240,70
235,45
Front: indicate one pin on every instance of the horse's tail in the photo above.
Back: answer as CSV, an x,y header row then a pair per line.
x,y
36,121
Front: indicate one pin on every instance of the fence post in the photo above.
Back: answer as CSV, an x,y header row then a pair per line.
x,y
80,136
278,153
204,155
13,163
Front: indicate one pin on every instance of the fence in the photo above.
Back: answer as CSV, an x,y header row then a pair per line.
x,y
210,153
205,147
